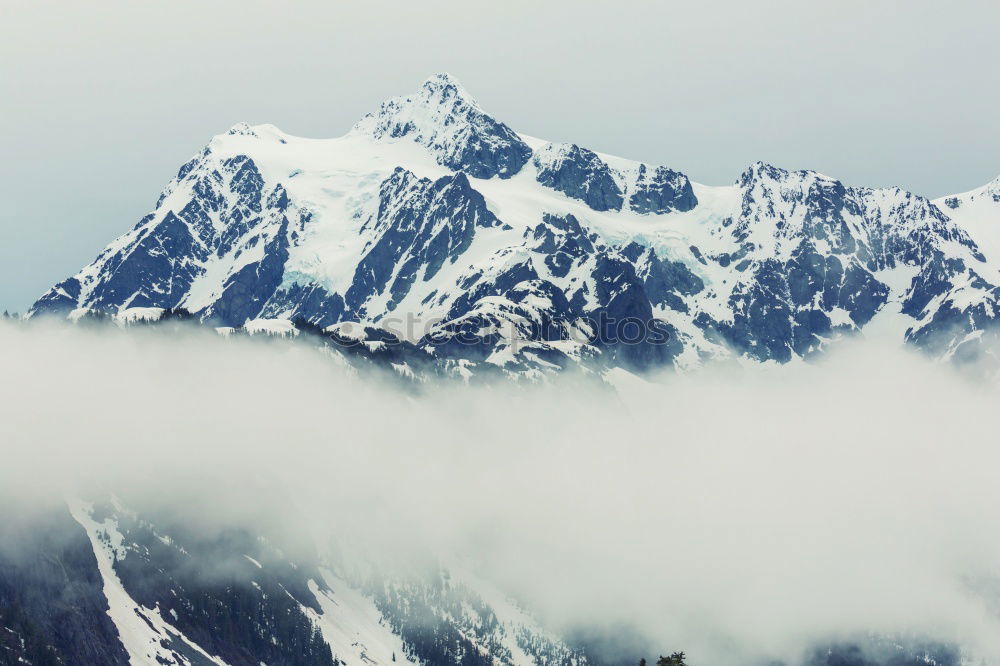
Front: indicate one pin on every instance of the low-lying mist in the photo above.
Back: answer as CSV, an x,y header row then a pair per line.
x,y
735,514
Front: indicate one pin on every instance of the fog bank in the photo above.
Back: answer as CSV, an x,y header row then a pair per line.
x,y
737,515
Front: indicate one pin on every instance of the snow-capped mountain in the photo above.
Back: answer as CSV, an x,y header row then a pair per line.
x,y
486,248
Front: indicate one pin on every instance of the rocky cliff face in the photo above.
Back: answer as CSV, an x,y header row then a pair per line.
x,y
53,609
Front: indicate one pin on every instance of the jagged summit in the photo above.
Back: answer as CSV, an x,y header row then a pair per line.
x,y
241,129
440,91
759,170
443,85
445,119
582,174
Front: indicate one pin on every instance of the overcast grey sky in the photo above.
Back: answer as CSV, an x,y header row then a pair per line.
x,y
100,103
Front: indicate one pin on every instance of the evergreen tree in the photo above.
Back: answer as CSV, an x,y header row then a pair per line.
x,y
176,314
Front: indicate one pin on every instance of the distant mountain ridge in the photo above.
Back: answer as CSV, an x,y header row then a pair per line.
x,y
527,256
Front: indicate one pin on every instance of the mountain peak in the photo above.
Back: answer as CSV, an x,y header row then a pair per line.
x,y
241,129
762,171
442,77
445,85
444,118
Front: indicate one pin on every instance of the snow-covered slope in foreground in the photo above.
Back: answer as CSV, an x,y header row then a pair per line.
x,y
170,593
484,247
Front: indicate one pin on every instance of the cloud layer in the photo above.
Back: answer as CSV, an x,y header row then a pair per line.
x,y
733,514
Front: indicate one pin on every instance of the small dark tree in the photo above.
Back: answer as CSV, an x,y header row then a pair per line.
x,y
675,659
642,662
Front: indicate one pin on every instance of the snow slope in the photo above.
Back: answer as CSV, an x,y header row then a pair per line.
x,y
195,598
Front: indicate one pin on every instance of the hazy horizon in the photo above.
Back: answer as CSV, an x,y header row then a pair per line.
x,y
101,110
